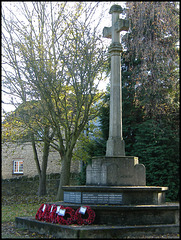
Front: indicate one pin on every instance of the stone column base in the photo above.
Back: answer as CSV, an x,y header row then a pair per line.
x,y
115,147
116,171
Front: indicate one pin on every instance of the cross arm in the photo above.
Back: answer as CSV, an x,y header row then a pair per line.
x,y
107,32
122,25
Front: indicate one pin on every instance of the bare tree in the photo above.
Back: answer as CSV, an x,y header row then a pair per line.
x,y
56,56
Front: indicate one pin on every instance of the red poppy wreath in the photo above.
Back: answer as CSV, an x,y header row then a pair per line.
x,y
66,216
85,215
54,213
49,217
43,212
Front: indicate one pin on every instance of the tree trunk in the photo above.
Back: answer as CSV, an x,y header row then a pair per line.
x,y
65,175
42,178
42,186
41,170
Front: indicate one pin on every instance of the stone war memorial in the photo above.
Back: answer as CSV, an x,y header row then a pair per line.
x,y
115,184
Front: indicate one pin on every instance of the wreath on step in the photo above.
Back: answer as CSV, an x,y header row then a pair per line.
x,y
54,213
66,216
85,215
46,213
43,212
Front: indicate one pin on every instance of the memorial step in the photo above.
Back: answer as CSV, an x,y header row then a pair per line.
x,y
119,195
93,231
132,214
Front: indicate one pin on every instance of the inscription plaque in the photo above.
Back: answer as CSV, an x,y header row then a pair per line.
x,y
72,197
93,198
102,198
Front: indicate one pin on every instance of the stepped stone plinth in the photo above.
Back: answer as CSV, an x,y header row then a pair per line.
x,y
115,195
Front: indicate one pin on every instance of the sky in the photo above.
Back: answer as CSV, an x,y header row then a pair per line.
x,y
106,22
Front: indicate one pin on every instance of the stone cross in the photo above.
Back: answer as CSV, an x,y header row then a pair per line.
x,y
115,143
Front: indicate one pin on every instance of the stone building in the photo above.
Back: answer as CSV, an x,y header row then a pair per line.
x,y
18,160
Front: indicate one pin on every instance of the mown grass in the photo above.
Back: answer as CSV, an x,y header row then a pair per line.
x,y
22,206
18,210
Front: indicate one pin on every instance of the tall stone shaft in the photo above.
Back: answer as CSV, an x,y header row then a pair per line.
x,y
115,169
115,143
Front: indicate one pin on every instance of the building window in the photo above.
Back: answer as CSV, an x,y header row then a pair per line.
x,y
18,167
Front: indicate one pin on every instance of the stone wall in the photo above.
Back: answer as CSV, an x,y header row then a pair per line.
x,y
24,152
29,185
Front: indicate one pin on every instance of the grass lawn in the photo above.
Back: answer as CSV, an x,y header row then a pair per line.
x,y
18,210
20,206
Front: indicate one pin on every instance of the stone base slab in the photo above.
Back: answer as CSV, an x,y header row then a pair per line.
x,y
116,195
93,231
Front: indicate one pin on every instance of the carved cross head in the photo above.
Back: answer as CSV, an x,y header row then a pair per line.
x,y
118,25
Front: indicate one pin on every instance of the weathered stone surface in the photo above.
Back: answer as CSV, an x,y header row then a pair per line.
x,y
56,230
116,171
122,25
107,32
116,9
115,147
